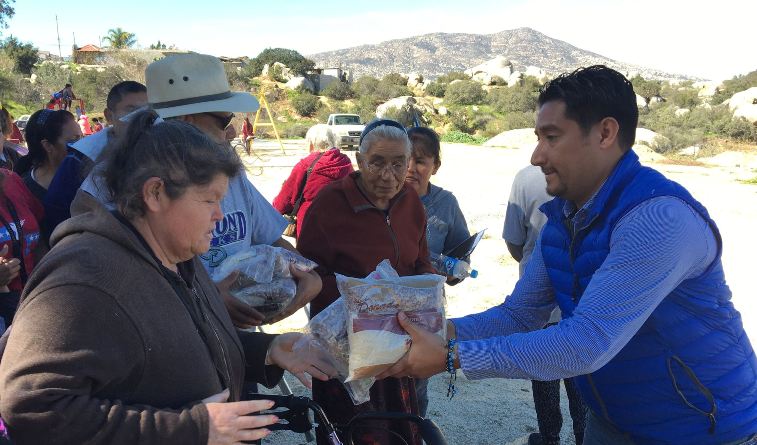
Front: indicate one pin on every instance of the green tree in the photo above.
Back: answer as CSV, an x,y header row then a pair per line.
x,y
436,89
6,12
735,85
395,79
465,92
296,62
158,45
453,75
646,88
365,86
120,39
24,55
685,97
306,104
338,91
510,100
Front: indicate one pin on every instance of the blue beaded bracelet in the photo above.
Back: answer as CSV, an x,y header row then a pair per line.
x,y
451,367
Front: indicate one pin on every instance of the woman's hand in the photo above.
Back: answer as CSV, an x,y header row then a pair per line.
x,y
232,423
242,315
303,363
9,268
309,284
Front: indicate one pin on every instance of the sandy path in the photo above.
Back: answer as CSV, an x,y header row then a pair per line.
x,y
501,411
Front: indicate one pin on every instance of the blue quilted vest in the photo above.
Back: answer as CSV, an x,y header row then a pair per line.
x,y
689,375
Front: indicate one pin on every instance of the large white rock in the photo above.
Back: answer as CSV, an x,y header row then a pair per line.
x,y
682,112
498,66
300,82
707,88
514,79
537,72
520,138
645,136
483,78
640,102
285,71
421,104
744,104
414,80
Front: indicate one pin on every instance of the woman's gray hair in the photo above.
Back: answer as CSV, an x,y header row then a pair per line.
x,y
172,150
386,132
320,137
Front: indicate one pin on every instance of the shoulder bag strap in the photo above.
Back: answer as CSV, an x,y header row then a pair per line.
x,y
301,193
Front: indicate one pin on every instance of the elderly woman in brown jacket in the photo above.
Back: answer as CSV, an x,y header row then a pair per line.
x,y
121,337
352,225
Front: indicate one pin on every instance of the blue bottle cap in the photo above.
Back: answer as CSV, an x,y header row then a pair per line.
x,y
473,273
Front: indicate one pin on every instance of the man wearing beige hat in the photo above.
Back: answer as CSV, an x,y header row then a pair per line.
x,y
194,88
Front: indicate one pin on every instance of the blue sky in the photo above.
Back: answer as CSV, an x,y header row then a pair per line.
x,y
711,39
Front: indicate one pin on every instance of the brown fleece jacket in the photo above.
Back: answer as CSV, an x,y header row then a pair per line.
x,y
104,351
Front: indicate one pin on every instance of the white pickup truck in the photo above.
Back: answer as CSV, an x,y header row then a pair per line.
x,y
346,128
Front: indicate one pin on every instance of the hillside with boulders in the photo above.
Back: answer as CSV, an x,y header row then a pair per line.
x,y
436,54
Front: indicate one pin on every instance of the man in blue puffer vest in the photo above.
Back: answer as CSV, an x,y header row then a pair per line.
x,y
633,261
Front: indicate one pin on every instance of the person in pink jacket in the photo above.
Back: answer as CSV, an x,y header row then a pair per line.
x,y
327,164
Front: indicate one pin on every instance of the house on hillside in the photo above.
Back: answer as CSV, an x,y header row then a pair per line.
x,y
322,77
89,55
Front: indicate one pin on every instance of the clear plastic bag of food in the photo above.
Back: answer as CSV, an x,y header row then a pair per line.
x,y
267,298
360,330
376,340
264,280
327,333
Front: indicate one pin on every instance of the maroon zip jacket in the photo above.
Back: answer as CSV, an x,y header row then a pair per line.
x,y
344,233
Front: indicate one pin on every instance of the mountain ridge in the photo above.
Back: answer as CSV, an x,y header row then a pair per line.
x,y
434,54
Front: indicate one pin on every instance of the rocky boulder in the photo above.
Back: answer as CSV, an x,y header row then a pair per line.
x,y
535,71
414,80
520,138
286,73
405,104
707,88
302,83
680,112
640,102
744,104
499,66
650,139
515,79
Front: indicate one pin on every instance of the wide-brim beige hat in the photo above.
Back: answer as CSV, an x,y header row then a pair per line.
x,y
183,84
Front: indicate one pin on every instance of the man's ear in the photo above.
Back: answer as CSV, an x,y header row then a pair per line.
x,y
108,116
608,132
153,191
359,158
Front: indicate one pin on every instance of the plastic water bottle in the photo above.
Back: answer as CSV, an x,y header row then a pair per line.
x,y
453,267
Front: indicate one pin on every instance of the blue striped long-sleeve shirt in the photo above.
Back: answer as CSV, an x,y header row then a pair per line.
x,y
653,248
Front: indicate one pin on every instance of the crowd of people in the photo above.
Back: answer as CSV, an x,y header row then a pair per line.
x,y
116,334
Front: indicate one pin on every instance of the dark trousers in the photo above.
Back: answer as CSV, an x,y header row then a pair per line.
x,y
548,415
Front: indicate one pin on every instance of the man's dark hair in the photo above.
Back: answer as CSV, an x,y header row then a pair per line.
x,y
592,94
120,90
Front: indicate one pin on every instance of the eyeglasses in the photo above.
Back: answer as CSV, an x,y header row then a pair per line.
x,y
223,121
396,168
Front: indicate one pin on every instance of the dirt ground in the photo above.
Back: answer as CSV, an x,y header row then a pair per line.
x,y
499,411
